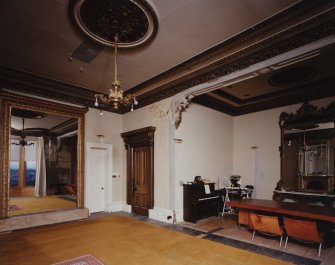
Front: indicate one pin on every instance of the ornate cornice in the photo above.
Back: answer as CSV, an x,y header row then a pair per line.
x,y
38,105
29,83
290,39
65,127
248,35
291,96
319,25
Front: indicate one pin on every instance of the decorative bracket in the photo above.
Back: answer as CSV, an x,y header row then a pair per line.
x,y
181,107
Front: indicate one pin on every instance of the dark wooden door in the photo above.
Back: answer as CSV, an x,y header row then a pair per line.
x,y
140,169
141,195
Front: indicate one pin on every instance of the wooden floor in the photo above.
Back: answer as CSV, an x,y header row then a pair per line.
x,y
227,227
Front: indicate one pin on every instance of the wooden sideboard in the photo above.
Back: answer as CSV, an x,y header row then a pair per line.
x,y
304,197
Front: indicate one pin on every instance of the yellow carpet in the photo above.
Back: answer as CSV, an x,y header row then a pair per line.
x,y
119,240
30,205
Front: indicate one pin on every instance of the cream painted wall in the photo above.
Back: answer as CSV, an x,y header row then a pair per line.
x,y
260,166
154,115
110,125
213,145
206,149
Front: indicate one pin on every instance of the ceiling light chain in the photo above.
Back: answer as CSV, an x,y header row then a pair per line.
x,y
115,96
116,38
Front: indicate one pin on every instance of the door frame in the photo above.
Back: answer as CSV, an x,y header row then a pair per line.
x,y
138,138
109,172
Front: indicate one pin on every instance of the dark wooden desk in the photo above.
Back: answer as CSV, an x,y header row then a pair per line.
x,y
322,213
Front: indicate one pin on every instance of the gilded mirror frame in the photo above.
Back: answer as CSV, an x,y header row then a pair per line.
x,y
9,101
307,117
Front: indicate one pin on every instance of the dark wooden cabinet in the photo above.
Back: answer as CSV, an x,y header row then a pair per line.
x,y
198,204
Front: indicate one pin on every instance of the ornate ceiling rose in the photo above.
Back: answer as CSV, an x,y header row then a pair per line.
x,y
292,76
134,21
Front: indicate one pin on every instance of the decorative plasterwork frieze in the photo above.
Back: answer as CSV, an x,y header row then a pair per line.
x,y
21,81
318,26
286,16
256,53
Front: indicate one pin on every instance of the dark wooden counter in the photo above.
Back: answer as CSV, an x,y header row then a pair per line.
x,y
324,213
304,197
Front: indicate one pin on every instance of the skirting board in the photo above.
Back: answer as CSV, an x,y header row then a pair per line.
x,y
165,215
39,219
119,206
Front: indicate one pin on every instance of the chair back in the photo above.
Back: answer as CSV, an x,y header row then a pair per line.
x,y
266,224
303,230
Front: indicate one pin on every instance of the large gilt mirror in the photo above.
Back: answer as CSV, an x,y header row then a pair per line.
x,y
43,156
307,150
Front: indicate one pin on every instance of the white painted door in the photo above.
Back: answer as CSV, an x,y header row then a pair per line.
x,y
98,175
97,187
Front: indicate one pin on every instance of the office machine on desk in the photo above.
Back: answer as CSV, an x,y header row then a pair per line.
x,y
236,192
200,201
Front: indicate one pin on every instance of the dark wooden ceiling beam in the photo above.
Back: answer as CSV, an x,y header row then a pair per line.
x,y
299,94
25,82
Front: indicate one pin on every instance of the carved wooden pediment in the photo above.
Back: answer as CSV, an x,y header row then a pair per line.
x,y
307,116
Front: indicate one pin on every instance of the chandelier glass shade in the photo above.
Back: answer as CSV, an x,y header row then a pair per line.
x,y
115,97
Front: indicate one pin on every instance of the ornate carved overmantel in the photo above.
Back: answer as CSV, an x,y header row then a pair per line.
x,y
307,150
307,115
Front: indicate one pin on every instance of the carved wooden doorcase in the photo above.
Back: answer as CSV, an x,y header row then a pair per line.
x,y
140,169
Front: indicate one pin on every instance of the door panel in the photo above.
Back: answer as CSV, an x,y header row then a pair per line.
x,y
96,185
141,179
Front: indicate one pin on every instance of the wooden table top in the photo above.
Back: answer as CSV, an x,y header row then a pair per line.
x,y
316,212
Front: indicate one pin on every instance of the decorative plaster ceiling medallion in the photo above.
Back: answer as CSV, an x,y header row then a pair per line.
x,y
134,21
292,76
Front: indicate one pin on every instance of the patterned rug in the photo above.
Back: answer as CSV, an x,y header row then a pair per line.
x,y
14,208
82,260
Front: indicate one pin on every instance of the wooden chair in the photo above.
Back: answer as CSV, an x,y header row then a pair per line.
x,y
305,231
267,225
243,218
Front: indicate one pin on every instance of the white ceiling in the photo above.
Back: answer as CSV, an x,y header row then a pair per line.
x,y
38,37
44,123
199,44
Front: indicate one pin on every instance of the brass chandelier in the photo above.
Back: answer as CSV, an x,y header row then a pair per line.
x,y
22,140
115,96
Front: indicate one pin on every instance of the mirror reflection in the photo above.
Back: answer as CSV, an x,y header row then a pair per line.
x,y
309,155
43,162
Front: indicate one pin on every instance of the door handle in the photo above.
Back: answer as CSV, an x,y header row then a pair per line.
x,y
102,188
